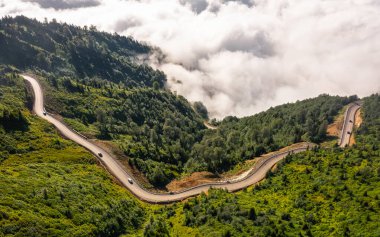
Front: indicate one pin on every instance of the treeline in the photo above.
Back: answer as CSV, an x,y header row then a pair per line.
x,y
69,50
236,140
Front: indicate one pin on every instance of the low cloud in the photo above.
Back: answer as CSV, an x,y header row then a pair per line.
x,y
65,4
241,57
197,6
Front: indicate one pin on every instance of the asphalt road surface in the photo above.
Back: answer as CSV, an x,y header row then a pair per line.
x,y
348,124
116,169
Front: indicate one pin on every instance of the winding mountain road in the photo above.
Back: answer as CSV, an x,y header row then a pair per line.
x,y
116,169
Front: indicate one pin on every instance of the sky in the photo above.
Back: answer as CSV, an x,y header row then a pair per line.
x,y
241,57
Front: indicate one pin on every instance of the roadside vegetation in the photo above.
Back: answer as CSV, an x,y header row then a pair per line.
x,y
164,138
322,192
154,128
51,186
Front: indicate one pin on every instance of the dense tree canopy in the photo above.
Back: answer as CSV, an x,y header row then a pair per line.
x,y
236,139
69,50
155,128
323,192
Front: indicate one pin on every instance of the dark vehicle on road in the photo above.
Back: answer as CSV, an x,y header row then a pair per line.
x,y
100,154
348,132
44,113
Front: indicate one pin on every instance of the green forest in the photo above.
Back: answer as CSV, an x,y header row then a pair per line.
x,y
160,132
68,50
98,83
323,192
237,140
52,187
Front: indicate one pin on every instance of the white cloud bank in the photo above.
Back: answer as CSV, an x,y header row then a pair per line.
x,y
241,57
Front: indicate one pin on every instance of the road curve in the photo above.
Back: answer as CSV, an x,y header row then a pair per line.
x,y
348,124
209,126
116,169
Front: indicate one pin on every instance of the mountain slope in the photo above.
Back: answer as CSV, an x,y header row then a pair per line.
x,y
97,83
237,140
50,186
66,50
323,192
98,80
290,202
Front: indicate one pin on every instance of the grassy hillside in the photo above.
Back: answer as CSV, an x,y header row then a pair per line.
x,y
51,186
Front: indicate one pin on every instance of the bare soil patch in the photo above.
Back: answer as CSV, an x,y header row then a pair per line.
x,y
358,121
194,179
335,128
358,118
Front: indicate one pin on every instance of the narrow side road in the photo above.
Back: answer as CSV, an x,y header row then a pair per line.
x,y
116,169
